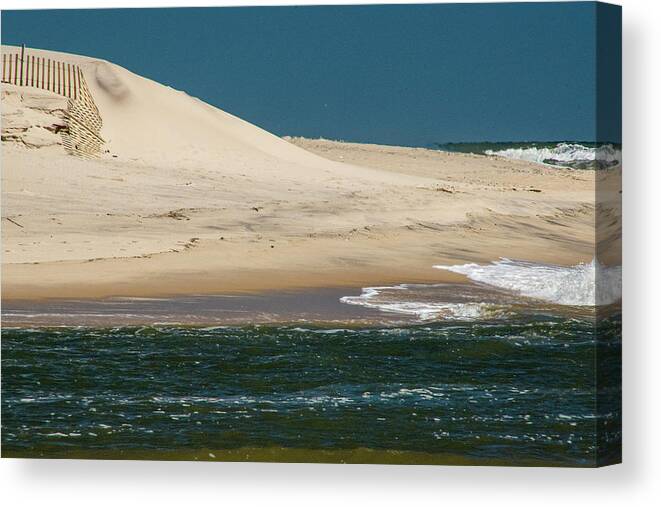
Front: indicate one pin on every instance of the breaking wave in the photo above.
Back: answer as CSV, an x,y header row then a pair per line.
x,y
573,154
501,289
587,284
577,156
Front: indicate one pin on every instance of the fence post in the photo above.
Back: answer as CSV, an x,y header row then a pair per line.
x,y
80,83
22,58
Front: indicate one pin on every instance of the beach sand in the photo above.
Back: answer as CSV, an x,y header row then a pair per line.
x,y
189,199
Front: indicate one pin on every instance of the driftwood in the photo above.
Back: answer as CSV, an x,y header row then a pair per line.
x,y
14,222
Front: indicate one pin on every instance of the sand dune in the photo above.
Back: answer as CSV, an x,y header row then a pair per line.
x,y
188,198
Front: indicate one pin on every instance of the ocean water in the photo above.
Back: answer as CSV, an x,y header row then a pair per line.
x,y
523,391
473,373
572,154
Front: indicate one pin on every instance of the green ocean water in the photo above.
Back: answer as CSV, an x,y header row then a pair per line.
x,y
530,390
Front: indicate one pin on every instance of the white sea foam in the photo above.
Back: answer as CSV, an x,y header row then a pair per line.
x,y
381,299
500,288
581,285
563,154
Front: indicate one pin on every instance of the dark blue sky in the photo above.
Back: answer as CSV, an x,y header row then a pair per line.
x,y
403,74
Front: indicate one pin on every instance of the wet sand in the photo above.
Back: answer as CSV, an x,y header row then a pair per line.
x,y
318,306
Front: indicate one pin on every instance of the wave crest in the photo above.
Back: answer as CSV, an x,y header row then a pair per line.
x,y
573,155
432,302
589,284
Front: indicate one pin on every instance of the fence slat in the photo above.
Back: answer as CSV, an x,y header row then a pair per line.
x,y
75,87
80,83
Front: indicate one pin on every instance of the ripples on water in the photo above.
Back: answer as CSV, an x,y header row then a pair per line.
x,y
522,390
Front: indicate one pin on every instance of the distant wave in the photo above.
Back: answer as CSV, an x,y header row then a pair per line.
x,y
565,154
575,155
580,285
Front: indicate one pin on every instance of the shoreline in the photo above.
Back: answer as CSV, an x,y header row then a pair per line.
x,y
319,308
313,308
